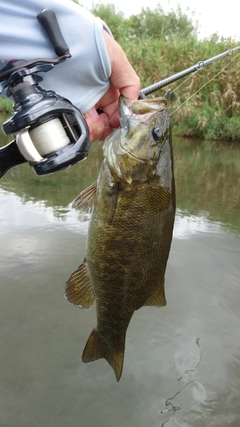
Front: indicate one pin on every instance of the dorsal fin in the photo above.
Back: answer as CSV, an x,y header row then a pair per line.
x,y
78,288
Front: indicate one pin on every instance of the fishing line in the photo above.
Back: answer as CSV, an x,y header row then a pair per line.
x,y
223,68
49,137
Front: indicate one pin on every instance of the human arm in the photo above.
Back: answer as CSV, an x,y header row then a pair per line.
x,y
98,70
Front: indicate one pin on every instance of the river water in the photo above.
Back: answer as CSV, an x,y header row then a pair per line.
x,y
182,362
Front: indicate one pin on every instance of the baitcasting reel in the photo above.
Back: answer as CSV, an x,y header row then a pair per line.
x,y
50,133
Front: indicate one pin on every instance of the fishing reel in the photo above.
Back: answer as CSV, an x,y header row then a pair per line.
x,y
50,133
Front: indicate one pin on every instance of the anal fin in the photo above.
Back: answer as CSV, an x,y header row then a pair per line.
x,y
78,288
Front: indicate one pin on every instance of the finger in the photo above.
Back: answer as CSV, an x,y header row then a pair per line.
x,y
107,126
95,125
98,125
109,105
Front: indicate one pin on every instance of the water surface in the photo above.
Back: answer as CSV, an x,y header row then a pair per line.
x,y
182,361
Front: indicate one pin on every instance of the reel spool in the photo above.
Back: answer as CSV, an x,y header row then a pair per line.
x,y
50,133
50,137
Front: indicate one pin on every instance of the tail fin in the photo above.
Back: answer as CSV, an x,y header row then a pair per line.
x,y
97,347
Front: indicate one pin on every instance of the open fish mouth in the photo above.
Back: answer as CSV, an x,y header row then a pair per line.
x,y
143,130
139,110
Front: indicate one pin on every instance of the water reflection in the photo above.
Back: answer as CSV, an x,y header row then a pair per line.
x,y
29,214
182,362
207,181
187,225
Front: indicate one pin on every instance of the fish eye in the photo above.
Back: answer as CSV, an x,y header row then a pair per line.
x,y
156,133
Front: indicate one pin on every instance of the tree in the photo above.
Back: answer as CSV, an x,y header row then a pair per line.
x,y
113,18
158,24
148,23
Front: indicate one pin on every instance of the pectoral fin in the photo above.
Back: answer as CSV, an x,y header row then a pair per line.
x,y
158,297
78,288
86,198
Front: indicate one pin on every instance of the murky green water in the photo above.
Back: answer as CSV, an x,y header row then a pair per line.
x,y
182,362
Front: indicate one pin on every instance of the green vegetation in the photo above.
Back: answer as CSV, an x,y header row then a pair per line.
x,y
160,44
5,105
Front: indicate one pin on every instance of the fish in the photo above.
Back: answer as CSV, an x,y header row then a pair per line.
x,y
130,230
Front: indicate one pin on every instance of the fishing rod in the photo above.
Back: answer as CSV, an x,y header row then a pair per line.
x,y
50,133
199,66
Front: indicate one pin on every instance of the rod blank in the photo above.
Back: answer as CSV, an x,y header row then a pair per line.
x,y
199,66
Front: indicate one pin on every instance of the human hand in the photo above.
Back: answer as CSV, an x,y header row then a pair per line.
x,y
124,81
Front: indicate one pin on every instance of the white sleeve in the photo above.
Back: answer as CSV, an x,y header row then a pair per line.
x,y
84,78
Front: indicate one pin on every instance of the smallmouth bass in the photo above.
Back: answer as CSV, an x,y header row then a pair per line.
x,y
130,230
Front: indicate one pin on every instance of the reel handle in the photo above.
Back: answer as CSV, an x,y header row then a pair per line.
x,y
48,20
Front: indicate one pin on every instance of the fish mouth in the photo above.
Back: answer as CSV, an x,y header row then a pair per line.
x,y
131,114
139,110
125,113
